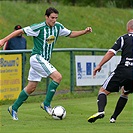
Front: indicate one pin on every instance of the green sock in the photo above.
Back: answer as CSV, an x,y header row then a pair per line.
x,y
22,97
50,92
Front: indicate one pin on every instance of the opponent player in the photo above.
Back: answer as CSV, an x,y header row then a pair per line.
x,y
45,35
121,77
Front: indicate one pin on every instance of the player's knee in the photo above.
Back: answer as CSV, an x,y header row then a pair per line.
x,y
33,88
102,90
124,94
59,77
56,76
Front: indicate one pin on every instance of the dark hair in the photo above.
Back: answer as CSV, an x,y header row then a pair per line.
x,y
51,10
17,27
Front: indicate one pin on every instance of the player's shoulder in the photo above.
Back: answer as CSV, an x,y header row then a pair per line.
x,y
126,35
38,25
58,24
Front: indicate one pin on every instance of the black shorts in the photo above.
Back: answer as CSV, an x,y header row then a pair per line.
x,y
116,80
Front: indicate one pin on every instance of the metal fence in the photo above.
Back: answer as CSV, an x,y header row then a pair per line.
x,y
63,59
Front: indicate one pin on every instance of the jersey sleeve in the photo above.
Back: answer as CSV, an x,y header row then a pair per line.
x,y
64,31
117,46
29,31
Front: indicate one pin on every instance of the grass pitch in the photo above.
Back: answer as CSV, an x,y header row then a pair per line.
x,y
32,119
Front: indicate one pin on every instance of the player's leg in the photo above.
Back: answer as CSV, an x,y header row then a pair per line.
x,y
110,83
127,89
101,102
56,79
21,98
24,95
46,69
119,106
33,78
102,99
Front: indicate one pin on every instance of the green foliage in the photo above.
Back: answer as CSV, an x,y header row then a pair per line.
x,y
101,3
93,3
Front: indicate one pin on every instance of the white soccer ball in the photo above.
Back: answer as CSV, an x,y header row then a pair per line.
x,y
58,112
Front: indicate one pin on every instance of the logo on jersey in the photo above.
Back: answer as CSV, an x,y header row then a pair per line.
x,y
129,62
50,39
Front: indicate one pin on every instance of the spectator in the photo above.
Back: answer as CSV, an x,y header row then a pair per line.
x,y
16,43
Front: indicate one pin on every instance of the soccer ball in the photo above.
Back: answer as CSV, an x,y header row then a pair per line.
x,y
58,112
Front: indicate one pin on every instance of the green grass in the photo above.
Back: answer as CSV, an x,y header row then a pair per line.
x,y
107,24
32,119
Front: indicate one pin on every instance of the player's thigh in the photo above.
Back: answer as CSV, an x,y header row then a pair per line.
x,y
112,83
33,75
128,86
40,67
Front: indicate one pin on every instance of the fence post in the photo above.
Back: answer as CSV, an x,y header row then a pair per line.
x,y
23,69
71,71
93,88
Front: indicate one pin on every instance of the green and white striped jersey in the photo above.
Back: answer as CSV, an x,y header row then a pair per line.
x,y
44,37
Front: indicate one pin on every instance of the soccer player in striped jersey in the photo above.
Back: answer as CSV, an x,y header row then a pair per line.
x,y
45,35
120,78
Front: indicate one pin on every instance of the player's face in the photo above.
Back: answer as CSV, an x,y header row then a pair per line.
x,y
51,19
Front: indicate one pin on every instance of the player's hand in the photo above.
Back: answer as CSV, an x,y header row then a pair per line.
x,y
2,42
88,30
97,69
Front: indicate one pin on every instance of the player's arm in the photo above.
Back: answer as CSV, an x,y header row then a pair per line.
x,y
13,34
5,46
106,58
81,32
111,52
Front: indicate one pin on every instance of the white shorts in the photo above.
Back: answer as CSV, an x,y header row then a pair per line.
x,y
39,67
